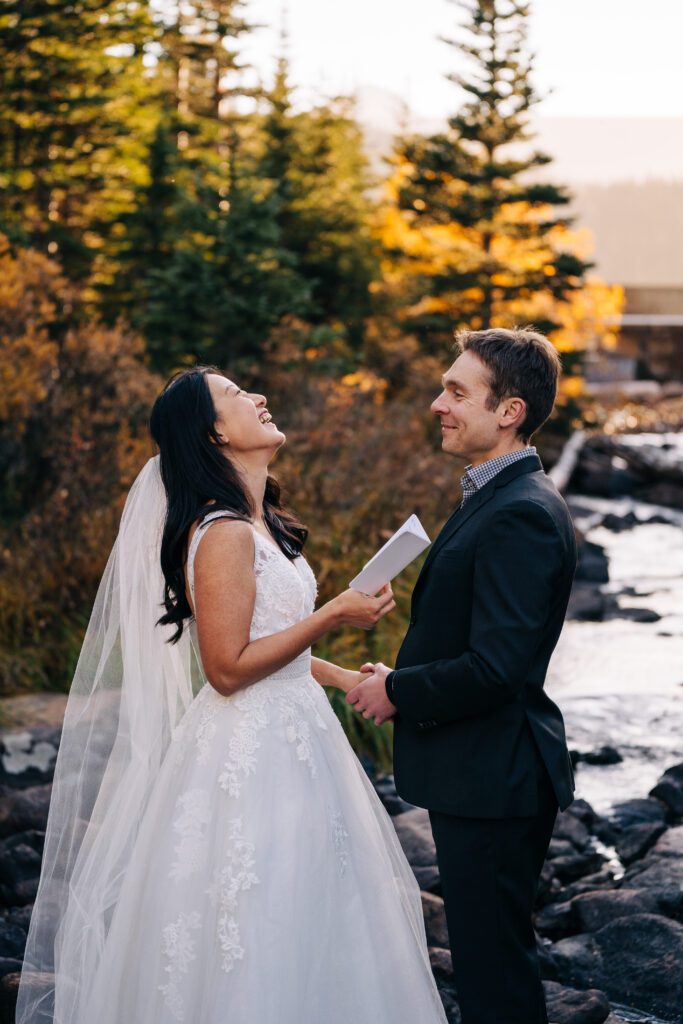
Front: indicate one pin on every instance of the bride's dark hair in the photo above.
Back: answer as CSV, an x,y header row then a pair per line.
x,y
198,479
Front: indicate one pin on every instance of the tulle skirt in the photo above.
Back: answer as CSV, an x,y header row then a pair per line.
x,y
267,883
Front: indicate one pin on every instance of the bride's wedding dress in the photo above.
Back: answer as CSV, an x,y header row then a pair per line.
x,y
266,882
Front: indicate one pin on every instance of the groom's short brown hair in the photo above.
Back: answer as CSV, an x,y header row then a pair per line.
x,y
521,364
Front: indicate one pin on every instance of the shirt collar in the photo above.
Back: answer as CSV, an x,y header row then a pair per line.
x,y
475,477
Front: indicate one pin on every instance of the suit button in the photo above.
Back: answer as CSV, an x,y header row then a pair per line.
x,y
413,620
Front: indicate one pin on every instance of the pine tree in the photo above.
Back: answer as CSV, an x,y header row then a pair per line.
x,y
470,227
317,173
66,72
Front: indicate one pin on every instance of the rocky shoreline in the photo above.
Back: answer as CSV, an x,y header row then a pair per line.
x,y
609,916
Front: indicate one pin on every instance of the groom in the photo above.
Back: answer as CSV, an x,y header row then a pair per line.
x,y
477,740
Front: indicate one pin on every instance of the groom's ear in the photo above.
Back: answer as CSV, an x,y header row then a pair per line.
x,y
512,412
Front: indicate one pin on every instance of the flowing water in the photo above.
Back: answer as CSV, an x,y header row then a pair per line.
x,y
620,683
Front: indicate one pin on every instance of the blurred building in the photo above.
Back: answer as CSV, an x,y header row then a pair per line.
x,y
652,332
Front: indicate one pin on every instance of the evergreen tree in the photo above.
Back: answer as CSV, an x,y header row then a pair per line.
x,y
317,174
480,237
67,72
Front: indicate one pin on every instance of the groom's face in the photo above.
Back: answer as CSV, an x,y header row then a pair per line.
x,y
469,429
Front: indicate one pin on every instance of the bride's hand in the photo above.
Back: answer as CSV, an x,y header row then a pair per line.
x,y
347,678
355,609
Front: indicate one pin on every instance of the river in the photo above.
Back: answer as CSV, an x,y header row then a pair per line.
x,y
619,682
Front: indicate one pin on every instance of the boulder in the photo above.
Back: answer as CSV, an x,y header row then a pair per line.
x,y
636,960
19,868
603,755
593,565
9,988
570,827
414,832
587,603
617,524
442,963
637,812
12,939
634,842
22,810
557,920
669,790
435,920
570,1006
577,865
603,880
662,866
593,910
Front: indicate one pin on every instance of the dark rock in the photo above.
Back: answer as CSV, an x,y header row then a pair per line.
x,y
557,920
27,757
593,565
435,920
620,523
669,790
22,810
415,836
587,603
602,880
12,939
570,1006
40,984
8,965
582,810
641,963
634,842
578,961
604,755
549,886
442,963
19,869
428,879
635,614
603,830
662,866
560,848
577,865
450,1003
546,961
20,916
637,812
568,826
594,910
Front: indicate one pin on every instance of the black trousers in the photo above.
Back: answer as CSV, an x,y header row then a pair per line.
x,y
490,869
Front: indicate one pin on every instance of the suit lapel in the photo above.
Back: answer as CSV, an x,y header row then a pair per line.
x,y
462,515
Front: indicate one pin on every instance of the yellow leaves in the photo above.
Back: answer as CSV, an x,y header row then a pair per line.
x,y
366,382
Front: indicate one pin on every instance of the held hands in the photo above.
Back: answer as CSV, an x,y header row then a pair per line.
x,y
356,609
369,696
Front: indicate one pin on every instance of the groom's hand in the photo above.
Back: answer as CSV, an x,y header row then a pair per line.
x,y
370,695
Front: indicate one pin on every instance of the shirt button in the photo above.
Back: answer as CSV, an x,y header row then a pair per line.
x,y
413,620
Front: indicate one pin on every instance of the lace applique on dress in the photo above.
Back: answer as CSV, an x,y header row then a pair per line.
x,y
235,876
244,741
191,825
340,835
179,950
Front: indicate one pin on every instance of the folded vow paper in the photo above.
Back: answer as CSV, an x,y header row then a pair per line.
x,y
407,543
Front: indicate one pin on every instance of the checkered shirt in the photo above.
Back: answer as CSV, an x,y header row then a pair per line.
x,y
475,477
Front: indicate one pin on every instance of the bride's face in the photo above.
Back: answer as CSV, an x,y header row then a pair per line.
x,y
242,418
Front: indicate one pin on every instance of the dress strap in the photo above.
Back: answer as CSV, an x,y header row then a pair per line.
x,y
197,536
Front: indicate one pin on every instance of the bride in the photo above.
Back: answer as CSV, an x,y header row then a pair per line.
x,y
215,852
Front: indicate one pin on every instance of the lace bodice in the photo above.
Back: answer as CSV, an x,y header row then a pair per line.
x,y
285,589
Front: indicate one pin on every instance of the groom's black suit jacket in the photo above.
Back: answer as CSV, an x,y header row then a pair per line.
x,y
474,724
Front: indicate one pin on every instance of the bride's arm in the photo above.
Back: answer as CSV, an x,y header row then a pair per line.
x,y
328,674
225,592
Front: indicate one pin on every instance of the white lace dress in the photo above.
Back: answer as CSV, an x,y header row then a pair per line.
x,y
267,885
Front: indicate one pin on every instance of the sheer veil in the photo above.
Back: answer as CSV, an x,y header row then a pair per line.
x,y
129,692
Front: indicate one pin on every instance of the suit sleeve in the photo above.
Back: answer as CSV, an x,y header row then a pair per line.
x,y
519,563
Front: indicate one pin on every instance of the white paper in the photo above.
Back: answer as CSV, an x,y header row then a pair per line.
x,y
406,544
